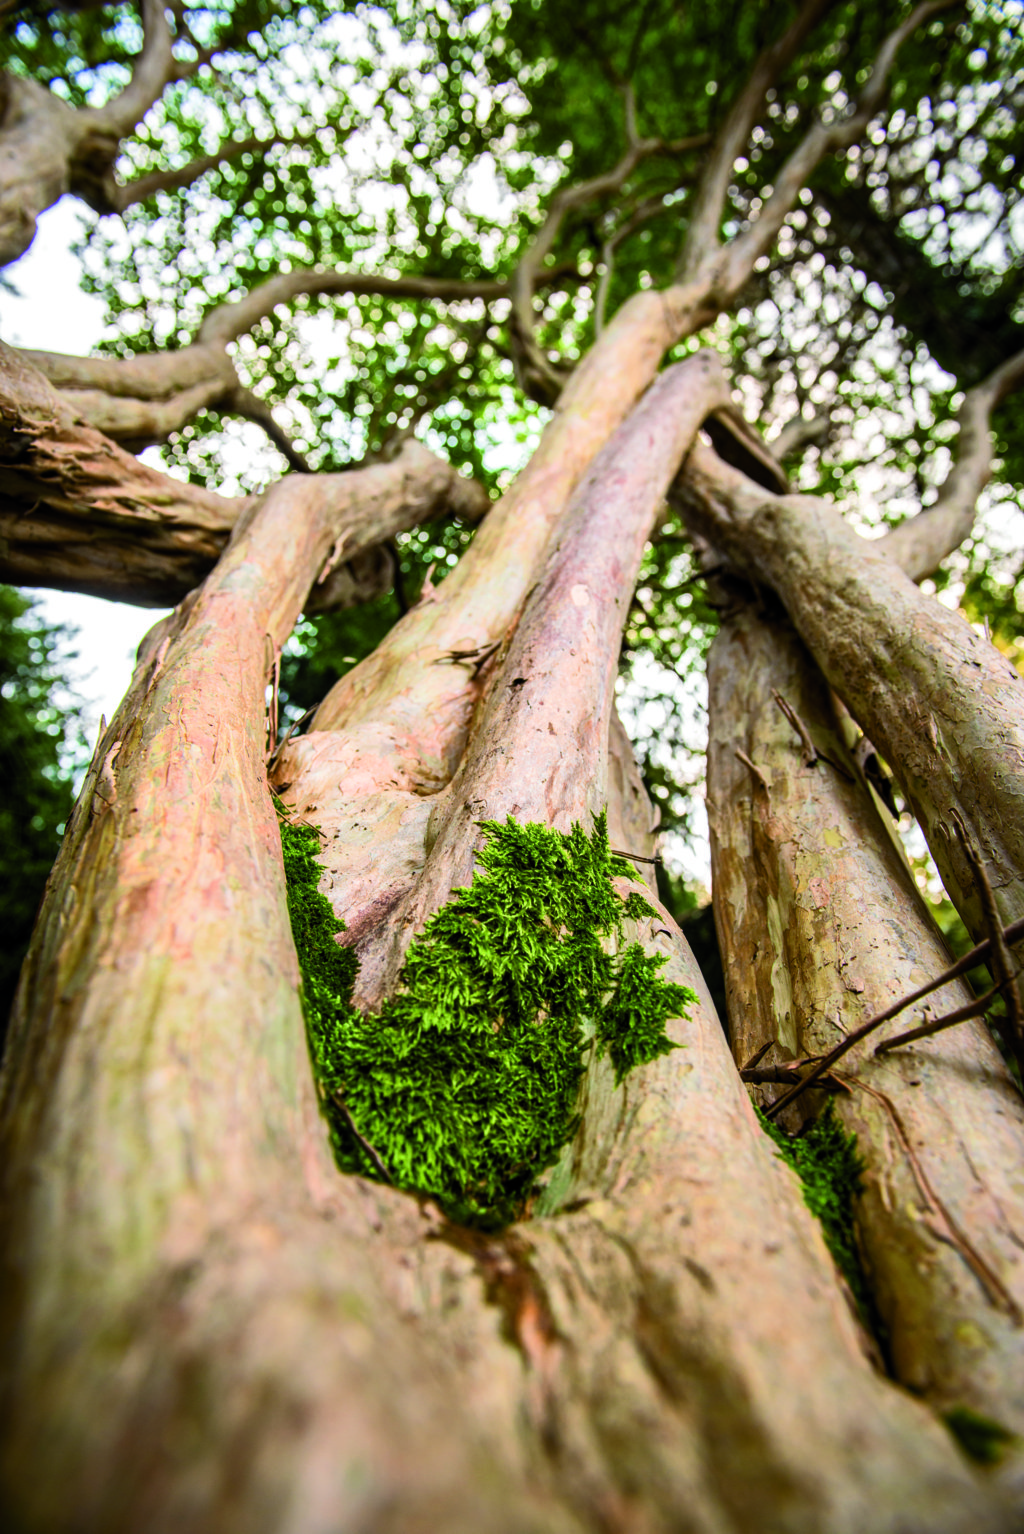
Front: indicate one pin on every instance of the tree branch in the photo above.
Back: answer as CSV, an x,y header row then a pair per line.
x,y
648,209
246,404
153,68
77,513
230,320
798,434
537,376
920,544
703,231
736,262
127,194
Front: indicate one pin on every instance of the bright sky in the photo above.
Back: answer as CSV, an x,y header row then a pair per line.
x,y
51,313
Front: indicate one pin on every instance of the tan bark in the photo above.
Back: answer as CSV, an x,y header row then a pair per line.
x,y
208,1331
941,704
80,513
822,926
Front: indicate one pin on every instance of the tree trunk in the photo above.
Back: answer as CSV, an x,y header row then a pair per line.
x,y
206,1327
822,926
941,703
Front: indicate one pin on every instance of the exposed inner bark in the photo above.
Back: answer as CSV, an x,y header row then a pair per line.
x,y
204,1327
79,512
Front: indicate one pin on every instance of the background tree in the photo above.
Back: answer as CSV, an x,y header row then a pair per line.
x,y
379,249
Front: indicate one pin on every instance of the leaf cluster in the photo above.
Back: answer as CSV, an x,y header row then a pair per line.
x,y
464,1086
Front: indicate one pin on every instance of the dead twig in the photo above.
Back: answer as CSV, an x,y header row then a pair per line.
x,y
757,1056
785,1075
1004,971
741,756
971,1009
296,724
811,754
340,1103
274,699
1011,934
633,857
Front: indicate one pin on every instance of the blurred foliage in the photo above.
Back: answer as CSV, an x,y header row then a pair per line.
x,y
39,741
430,137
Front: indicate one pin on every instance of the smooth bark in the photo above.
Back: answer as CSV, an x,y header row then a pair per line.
x,y
821,926
206,1329
942,705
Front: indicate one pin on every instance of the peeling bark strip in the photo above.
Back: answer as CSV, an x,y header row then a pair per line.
x,y
79,512
943,706
821,926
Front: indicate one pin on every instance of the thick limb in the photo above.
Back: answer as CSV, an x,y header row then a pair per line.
x,y
821,926
941,704
212,1332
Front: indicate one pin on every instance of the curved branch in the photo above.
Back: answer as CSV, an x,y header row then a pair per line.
x,y
702,233
736,262
251,408
536,372
798,434
230,320
153,68
78,513
128,193
648,209
920,544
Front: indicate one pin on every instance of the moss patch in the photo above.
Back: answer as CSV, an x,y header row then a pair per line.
x,y
464,1086
825,1159
982,1439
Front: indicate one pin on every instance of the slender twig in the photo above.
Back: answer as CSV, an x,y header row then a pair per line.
x,y
634,857
274,698
1011,934
1004,971
757,1056
975,1008
296,724
339,1102
742,756
810,752
784,1075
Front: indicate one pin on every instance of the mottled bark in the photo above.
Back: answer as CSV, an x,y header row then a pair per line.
x,y
207,1330
79,513
821,926
942,705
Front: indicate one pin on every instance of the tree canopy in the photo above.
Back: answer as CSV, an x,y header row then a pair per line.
x,y
349,226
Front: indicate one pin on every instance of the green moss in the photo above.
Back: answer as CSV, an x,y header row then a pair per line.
x,y
825,1159
981,1438
464,1086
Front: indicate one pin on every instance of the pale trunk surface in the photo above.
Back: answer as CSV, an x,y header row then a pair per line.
x,y
942,705
822,926
208,1329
